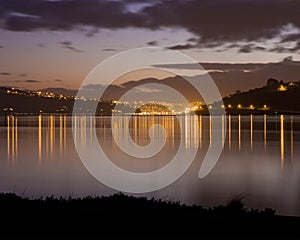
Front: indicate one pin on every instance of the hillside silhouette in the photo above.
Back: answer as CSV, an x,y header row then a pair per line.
x,y
37,102
275,97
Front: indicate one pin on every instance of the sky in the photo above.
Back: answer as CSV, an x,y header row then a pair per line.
x,y
56,43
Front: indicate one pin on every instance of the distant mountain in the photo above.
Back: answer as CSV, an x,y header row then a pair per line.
x,y
63,91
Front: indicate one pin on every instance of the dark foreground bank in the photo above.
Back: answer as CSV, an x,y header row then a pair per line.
x,y
121,216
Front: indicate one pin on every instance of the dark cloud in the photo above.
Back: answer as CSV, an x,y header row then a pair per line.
x,y
66,15
223,67
152,43
248,48
1,46
58,80
5,73
291,37
282,49
92,32
41,45
69,45
23,75
297,47
109,49
213,22
182,47
26,81
226,21
192,39
31,81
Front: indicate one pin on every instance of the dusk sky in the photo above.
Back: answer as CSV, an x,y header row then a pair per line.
x,y
57,43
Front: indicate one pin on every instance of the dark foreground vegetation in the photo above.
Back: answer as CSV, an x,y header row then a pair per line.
x,y
121,216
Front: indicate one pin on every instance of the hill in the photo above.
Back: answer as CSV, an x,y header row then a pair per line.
x,y
38,102
275,97
60,91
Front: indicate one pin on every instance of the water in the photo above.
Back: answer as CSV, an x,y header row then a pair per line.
x,y
260,159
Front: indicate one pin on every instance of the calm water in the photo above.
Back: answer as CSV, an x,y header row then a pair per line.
x,y
260,159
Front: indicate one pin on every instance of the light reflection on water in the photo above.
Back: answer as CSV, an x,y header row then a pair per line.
x,y
259,160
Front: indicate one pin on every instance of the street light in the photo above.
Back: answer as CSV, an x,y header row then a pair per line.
x,y
5,110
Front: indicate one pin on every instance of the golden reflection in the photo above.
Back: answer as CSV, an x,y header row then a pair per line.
x,y
52,134
91,129
265,131
12,138
292,137
126,124
83,130
135,126
200,132
173,131
8,137
195,131
210,130
40,137
229,132
239,132
282,139
47,136
65,133
187,132
251,131
223,128
16,135
60,134
75,128
115,132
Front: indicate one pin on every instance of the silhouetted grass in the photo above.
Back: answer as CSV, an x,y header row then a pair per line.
x,y
124,216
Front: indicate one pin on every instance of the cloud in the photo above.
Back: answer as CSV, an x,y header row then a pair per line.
x,y
248,48
41,45
66,15
182,47
109,49
58,80
69,45
26,81
1,46
23,75
213,22
226,21
148,90
152,43
282,49
5,73
192,39
291,37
